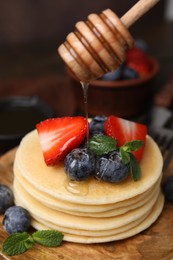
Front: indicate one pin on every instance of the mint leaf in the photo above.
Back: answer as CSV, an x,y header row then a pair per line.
x,y
132,146
135,169
48,237
125,156
102,144
17,243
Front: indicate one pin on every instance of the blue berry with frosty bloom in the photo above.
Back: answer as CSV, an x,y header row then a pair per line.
x,y
16,219
6,198
129,73
113,75
79,164
141,44
96,125
110,168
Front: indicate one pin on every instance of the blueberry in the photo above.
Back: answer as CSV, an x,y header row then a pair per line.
x,y
167,188
113,75
16,219
79,164
129,73
6,198
96,126
141,44
110,168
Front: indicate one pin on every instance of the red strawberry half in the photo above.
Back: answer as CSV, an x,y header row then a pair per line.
x,y
58,136
138,61
124,131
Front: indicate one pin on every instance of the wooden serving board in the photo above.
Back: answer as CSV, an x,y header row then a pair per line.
x,y
155,243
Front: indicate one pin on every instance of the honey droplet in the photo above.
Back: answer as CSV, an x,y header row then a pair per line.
x,y
77,188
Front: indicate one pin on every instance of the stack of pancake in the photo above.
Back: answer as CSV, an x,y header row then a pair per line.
x,y
90,211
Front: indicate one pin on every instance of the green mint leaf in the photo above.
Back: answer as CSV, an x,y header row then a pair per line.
x,y
17,243
102,144
135,169
125,156
48,238
132,146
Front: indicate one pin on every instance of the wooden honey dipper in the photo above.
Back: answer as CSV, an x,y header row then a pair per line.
x,y
99,45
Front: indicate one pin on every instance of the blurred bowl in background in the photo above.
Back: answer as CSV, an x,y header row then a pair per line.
x,y
18,116
123,98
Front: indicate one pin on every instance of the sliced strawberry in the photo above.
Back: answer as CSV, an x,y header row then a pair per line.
x,y
58,136
135,54
137,60
124,131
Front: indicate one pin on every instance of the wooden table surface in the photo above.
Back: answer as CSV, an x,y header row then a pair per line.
x,y
155,243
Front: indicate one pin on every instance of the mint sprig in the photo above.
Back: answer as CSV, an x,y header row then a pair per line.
x,y
125,156
17,243
128,158
135,169
48,238
102,144
132,145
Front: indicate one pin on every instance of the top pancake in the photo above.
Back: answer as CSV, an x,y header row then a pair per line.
x,y
52,180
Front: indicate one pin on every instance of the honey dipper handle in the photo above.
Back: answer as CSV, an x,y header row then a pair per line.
x,y
138,10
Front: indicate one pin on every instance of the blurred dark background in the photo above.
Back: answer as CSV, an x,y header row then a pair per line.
x,y
31,31
28,21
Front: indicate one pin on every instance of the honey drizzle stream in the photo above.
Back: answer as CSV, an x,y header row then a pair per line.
x,y
74,187
85,96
